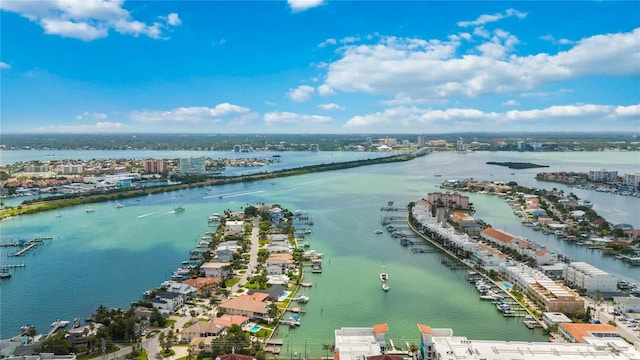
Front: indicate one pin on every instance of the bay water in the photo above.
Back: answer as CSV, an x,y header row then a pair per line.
x,y
109,257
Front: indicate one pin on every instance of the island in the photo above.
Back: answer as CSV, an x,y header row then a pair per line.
x,y
517,165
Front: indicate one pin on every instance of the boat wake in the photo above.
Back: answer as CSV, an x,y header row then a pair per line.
x,y
152,213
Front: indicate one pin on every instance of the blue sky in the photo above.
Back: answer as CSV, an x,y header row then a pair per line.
x,y
312,66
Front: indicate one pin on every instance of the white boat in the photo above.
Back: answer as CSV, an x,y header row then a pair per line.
x,y
118,205
386,287
89,209
384,276
59,323
378,232
303,299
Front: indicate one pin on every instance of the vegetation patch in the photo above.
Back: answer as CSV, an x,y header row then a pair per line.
x,y
517,165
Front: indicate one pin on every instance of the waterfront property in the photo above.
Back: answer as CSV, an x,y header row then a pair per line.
x,y
594,342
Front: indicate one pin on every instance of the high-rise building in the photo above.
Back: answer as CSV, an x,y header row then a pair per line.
x,y
421,141
155,166
193,165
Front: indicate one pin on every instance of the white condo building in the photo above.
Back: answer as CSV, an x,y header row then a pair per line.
x,y
440,344
589,277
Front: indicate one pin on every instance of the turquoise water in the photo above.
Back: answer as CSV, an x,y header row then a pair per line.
x,y
255,328
507,286
111,256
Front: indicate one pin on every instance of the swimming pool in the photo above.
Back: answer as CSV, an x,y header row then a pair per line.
x,y
284,295
507,286
255,328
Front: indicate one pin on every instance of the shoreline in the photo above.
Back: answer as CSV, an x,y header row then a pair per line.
x,y
58,202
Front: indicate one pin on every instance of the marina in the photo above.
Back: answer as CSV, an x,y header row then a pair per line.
x,y
161,241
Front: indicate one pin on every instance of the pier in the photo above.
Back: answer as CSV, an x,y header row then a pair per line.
x,y
28,245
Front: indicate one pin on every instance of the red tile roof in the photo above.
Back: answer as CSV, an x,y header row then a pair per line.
x,y
380,328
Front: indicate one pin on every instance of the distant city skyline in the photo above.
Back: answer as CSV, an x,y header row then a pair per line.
x,y
313,66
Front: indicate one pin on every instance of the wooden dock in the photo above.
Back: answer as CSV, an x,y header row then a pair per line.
x,y
11,266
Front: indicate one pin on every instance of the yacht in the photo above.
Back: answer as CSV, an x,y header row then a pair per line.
x,y
59,323
384,276
303,299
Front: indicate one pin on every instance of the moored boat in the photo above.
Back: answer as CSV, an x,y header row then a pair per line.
x,y
386,287
59,323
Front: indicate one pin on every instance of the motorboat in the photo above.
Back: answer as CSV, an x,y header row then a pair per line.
x,y
59,323
89,209
303,299
384,276
178,209
118,206
378,232
386,287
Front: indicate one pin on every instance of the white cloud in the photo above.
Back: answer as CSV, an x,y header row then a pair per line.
x,y
86,20
489,18
510,102
278,118
407,119
91,115
4,65
555,41
324,90
302,5
424,70
173,19
99,127
628,111
192,115
327,42
330,106
301,93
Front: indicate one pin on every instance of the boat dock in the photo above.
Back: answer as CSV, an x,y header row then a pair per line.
x,y
11,266
28,245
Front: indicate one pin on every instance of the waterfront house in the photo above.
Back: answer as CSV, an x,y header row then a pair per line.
x,y
278,248
273,294
225,251
277,215
215,269
201,330
235,226
245,306
576,333
202,283
278,238
167,302
228,320
279,263
357,343
178,287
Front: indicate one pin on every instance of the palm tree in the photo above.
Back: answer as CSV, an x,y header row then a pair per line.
x,y
328,347
413,349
